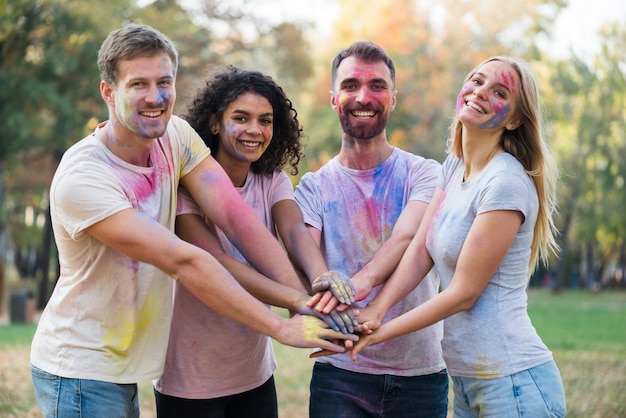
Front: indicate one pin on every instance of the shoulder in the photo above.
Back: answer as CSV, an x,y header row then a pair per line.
x,y
414,160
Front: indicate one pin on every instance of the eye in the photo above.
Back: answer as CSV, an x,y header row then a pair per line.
x,y
267,121
500,94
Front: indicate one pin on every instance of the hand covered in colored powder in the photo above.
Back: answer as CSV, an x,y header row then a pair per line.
x,y
306,331
338,283
344,320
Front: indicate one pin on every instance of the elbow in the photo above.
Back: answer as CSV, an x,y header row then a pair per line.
x,y
465,300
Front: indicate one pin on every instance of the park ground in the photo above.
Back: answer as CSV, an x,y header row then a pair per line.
x,y
584,330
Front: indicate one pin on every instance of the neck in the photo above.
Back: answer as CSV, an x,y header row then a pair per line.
x,y
478,151
130,148
236,170
360,154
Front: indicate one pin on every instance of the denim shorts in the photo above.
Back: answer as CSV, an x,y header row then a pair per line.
x,y
341,393
67,398
533,393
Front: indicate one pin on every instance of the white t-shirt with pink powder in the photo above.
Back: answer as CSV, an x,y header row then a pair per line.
x,y
109,315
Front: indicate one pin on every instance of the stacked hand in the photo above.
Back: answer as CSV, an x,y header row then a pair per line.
x,y
338,283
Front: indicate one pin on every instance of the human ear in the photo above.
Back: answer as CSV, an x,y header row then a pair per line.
x,y
333,101
513,124
214,124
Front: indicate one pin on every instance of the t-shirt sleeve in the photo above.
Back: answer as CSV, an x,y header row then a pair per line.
x,y
507,190
282,189
192,150
186,204
86,196
424,179
309,199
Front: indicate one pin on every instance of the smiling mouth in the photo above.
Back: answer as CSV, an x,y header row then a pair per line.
x,y
250,144
152,114
475,107
363,114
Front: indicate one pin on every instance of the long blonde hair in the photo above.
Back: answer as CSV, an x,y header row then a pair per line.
x,y
527,144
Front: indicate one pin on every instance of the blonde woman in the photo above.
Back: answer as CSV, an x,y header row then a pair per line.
x,y
487,226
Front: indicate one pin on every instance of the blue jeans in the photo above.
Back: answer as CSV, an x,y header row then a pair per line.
x,y
533,393
341,393
66,398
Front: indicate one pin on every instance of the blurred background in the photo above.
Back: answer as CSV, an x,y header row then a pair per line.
x,y
50,98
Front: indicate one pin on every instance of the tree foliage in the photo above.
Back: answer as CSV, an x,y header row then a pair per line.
x,y
433,46
588,110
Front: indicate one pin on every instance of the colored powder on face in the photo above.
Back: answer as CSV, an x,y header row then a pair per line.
x,y
460,102
508,79
501,110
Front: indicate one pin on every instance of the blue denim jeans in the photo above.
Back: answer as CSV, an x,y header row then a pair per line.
x,y
67,398
533,393
340,393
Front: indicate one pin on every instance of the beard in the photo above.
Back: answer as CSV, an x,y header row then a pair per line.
x,y
358,129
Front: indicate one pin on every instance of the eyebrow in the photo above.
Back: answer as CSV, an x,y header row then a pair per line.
x,y
245,112
356,79
497,82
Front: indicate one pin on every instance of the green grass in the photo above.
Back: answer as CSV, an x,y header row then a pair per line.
x,y
17,334
580,321
586,332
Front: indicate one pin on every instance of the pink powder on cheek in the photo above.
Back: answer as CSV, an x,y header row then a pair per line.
x,y
459,101
267,132
508,79
499,106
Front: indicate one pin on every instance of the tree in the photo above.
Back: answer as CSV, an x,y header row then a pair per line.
x,y
433,45
587,105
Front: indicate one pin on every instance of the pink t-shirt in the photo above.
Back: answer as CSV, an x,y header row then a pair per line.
x,y
210,356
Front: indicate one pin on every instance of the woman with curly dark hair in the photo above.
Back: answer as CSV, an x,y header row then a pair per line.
x,y
216,367
224,88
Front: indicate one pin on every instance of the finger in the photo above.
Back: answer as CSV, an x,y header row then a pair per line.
x,y
330,305
321,304
342,288
329,334
314,300
319,352
320,285
343,320
338,320
339,291
355,350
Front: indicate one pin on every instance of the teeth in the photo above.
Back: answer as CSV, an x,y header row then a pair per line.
x,y
250,143
475,106
363,114
151,114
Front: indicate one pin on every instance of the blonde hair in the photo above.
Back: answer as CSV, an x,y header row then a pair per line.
x,y
527,144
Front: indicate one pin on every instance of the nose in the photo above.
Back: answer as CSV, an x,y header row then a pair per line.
x,y
253,128
480,92
154,95
362,96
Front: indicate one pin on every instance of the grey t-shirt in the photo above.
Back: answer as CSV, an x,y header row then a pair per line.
x,y
495,337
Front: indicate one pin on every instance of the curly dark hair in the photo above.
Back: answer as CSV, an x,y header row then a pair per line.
x,y
223,87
